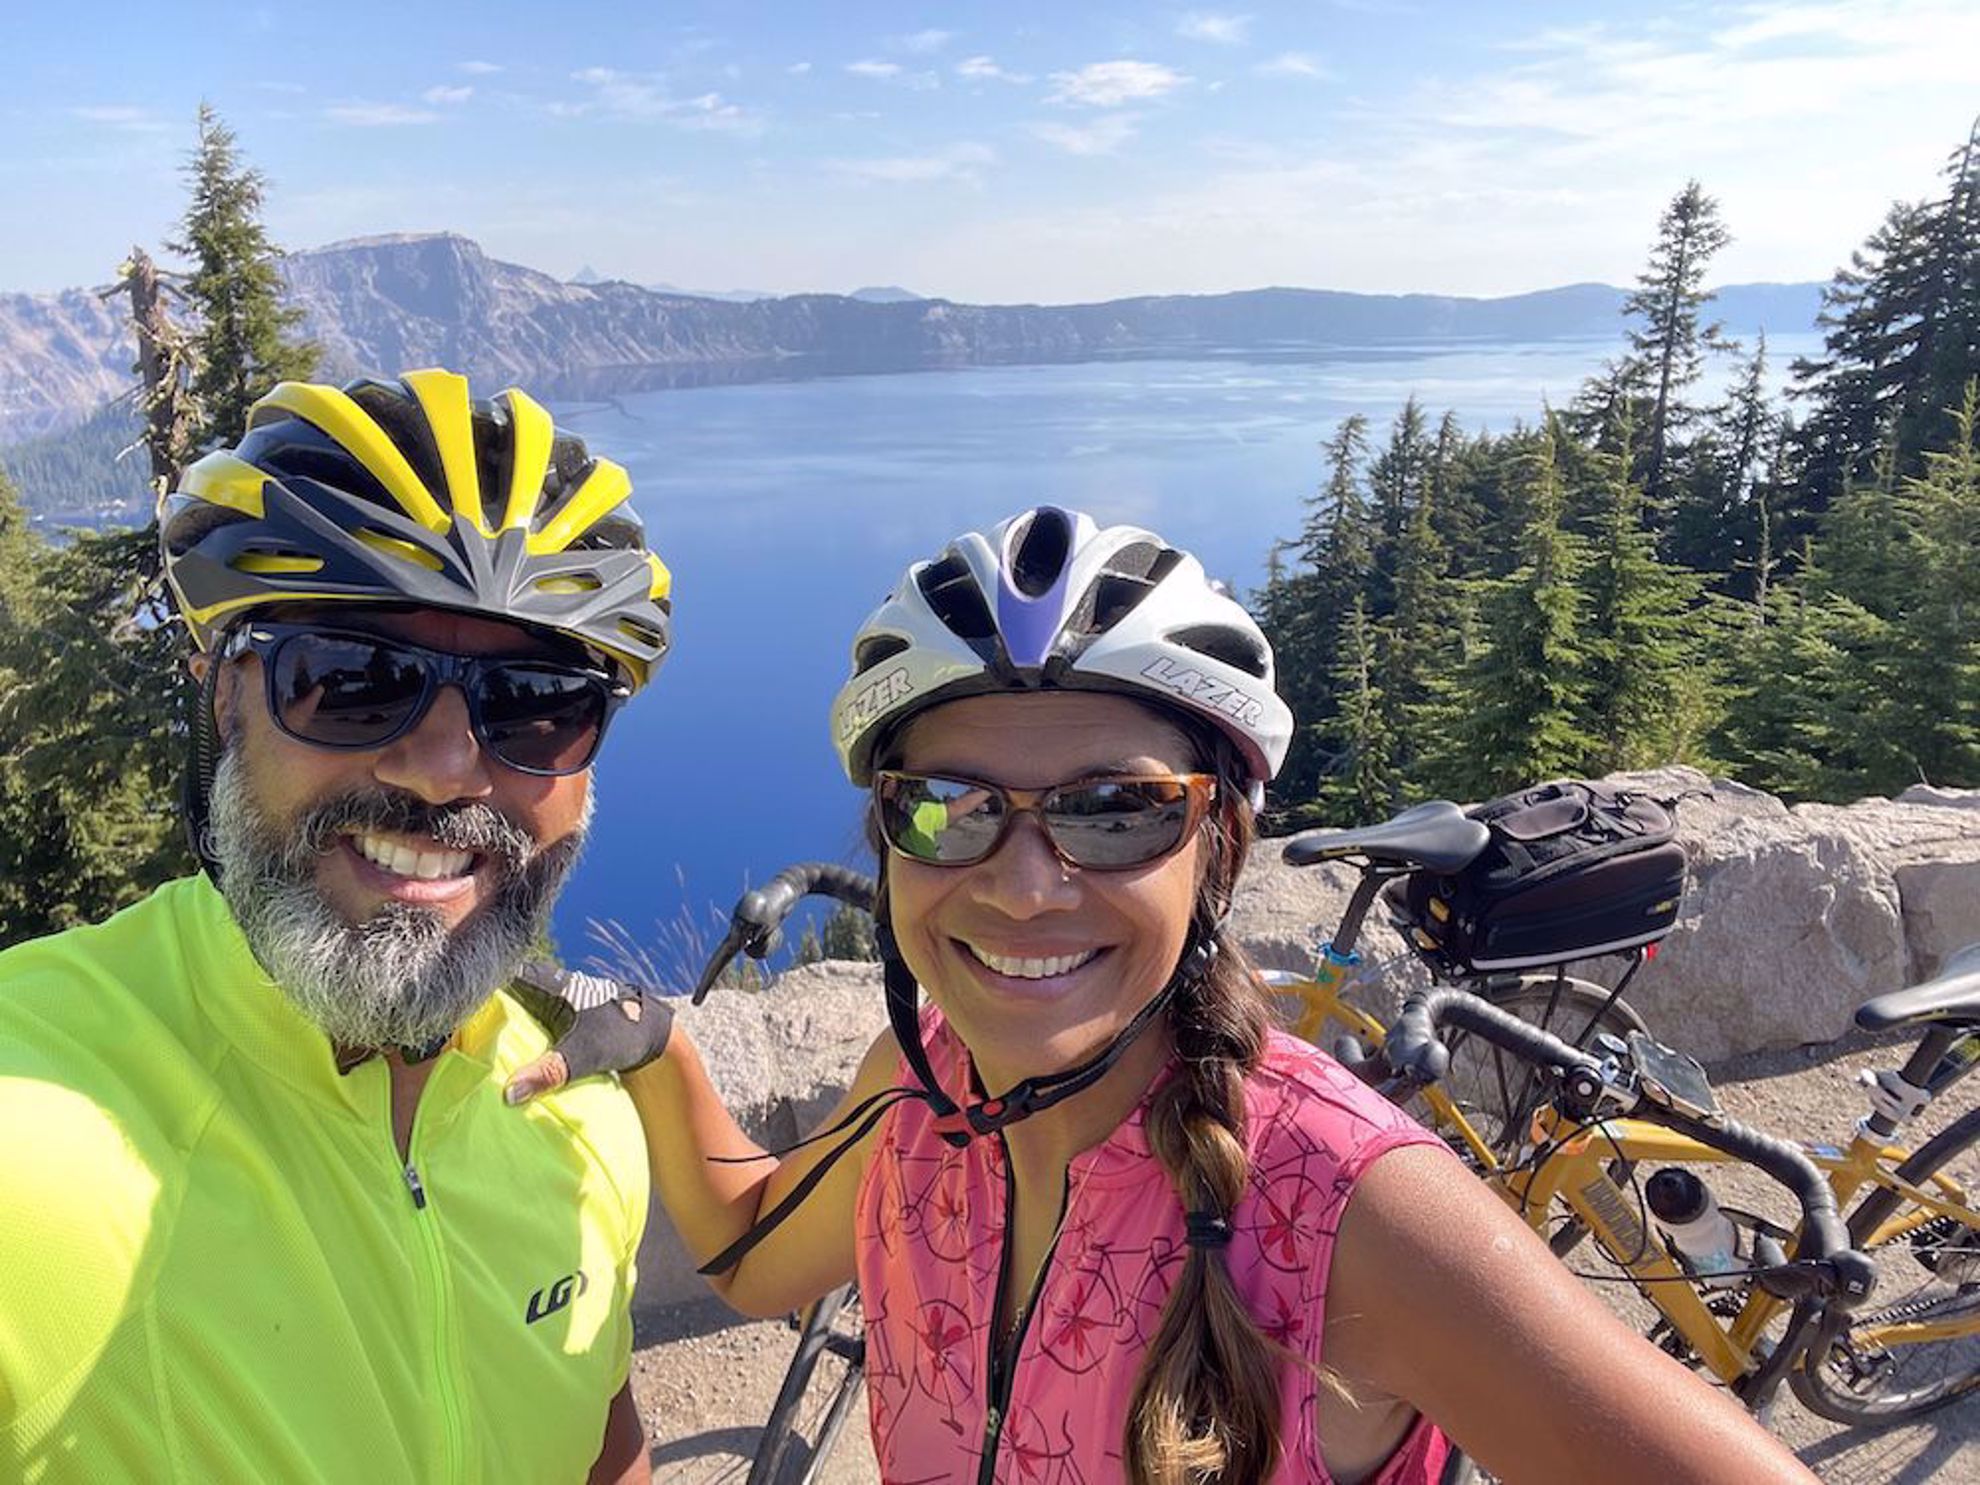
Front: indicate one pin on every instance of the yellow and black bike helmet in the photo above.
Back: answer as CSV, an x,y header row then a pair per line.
x,y
414,493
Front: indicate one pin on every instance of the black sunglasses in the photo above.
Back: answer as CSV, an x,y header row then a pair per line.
x,y
345,688
1103,824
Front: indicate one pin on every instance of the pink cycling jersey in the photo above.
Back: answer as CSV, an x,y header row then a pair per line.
x,y
931,1242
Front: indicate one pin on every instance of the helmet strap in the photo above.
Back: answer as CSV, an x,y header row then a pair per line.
x,y
202,762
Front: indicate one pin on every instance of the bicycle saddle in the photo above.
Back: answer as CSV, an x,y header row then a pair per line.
x,y
1438,835
1951,995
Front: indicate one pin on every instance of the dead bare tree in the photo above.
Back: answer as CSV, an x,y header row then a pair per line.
x,y
166,360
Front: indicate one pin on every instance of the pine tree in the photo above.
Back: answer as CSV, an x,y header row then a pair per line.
x,y
1307,608
1526,691
88,737
1714,524
1901,339
1668,348
1873,314
1366,785
1638,662
1461,512
20,550
1417,638
1934,668
1396,483
1787,713
244,343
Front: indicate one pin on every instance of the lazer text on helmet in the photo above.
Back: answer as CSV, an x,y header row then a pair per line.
x,y
885,691
1193,685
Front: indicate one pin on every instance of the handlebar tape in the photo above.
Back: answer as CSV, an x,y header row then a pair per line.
x,y
755,925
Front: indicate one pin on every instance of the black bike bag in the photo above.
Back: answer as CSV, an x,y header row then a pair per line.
x,y
1573,869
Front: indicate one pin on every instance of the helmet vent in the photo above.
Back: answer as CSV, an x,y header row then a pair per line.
x,y
1039,547
290,448
953,596
1228,645
392,546
271,564
643,634
876,651
565,584
405,424
1130,575
612,533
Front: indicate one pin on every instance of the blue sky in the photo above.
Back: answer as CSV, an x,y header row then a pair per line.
x,y
998,152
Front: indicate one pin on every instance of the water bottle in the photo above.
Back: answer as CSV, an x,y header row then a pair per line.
x,y
1704,1236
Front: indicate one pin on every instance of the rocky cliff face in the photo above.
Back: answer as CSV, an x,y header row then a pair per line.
x,y
380,305
62,356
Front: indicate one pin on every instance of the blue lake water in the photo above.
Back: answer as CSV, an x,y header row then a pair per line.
x,y
786,511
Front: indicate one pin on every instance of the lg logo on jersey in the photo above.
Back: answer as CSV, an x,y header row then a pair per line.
x,y
554,1297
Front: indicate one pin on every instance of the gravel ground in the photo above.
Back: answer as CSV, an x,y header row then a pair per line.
x,y
705,1380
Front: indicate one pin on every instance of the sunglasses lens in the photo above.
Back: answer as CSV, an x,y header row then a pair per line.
x,y
1118,823
541,718
344,691
951,822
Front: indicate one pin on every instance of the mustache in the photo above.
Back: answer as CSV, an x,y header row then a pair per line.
x,y
468,825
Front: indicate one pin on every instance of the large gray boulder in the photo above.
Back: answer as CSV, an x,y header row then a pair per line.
x,y
1797,915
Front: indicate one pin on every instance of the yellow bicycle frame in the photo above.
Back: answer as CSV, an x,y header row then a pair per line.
x,y
1575,1172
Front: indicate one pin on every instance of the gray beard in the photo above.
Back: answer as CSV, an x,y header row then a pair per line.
x,y
399,978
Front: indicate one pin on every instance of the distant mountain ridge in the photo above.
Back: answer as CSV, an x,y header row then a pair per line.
x,y
381,304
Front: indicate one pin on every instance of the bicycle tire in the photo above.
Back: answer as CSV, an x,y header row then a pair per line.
x,y
801,1430
1855,1387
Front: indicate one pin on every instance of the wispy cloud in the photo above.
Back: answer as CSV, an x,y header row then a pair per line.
x,y
1294,64
1604,86
479,69
445,95
984,69
922,42
121,116
362,115
626,95
1110,84
1215,26
893,72
961,162
798,69
714,113
1103,136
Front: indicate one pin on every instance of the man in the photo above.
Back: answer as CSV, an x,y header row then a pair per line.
x,y
264,1216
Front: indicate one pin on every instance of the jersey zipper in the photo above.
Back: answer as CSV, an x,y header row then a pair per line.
x,y
1003,1358
426,1237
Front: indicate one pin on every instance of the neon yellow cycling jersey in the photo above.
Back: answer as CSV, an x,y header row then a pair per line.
x,y
214,1266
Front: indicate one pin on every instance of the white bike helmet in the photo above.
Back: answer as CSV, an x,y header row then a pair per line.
x,y
1050,600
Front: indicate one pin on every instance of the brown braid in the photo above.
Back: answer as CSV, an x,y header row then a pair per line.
x,y
1206,1406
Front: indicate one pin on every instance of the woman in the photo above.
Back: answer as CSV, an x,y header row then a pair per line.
x,y
1107,1222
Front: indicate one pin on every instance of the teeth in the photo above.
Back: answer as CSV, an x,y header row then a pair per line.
x,y
405,862
1032,969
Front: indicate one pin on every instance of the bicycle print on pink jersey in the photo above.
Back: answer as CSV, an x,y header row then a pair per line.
x,y
931,1226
